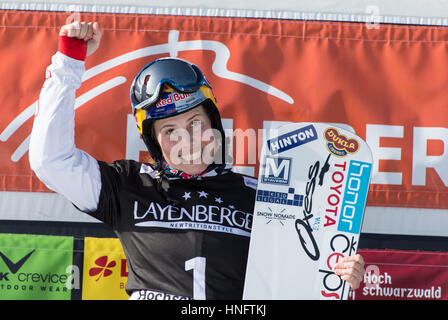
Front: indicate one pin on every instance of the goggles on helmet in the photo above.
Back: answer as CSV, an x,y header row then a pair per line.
x,y
148,85
166,87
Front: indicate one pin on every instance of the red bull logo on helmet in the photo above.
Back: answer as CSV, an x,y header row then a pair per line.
x,y
172,98
174,102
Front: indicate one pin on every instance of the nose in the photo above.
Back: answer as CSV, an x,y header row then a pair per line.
x,y
195,133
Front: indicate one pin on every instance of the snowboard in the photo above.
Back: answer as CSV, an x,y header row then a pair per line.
x,y
312,188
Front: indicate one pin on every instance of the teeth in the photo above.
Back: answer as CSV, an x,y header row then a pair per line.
x,y
191,157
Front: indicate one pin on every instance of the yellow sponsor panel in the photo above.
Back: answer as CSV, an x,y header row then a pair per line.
x,y
105,271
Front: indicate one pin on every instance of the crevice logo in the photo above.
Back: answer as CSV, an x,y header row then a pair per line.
x,y
36,267
13,267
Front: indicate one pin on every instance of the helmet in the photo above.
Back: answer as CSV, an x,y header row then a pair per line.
x,y
167,87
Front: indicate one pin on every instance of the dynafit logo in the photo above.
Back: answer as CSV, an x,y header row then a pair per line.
x,y
338,144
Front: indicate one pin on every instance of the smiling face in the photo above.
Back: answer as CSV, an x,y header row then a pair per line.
x,y
187,140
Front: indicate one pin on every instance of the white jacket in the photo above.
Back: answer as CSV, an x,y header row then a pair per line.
x,y
53,155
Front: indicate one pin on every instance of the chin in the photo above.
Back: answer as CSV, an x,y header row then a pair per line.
x,y
193,169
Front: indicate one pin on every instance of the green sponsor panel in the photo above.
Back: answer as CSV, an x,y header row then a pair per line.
x,y
35,267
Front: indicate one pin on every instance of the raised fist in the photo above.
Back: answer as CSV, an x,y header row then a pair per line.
x,y
90,32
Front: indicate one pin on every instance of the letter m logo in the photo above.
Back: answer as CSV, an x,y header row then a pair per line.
x,y
276,170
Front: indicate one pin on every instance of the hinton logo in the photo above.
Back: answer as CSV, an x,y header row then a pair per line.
x,y
338,144
103,268
292,139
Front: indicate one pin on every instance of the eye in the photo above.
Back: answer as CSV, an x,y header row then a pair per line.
x,y
168,132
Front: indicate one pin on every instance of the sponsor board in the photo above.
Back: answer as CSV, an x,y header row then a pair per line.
x,y
409,171
105,270
295,244
409,154
36,267
390,275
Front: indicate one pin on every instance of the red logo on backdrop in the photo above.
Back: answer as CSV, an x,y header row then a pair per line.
x,y
103,268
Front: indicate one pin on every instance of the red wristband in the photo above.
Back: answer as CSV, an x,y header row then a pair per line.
x,y
72,47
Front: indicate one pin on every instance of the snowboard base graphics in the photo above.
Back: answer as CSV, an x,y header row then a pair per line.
x,y
312,189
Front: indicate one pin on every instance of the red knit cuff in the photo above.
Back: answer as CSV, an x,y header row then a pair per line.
x,y
72,47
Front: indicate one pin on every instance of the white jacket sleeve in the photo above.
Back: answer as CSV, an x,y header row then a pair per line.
x,y
53,155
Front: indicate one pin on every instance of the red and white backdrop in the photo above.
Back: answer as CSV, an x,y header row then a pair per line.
x,y
385,81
